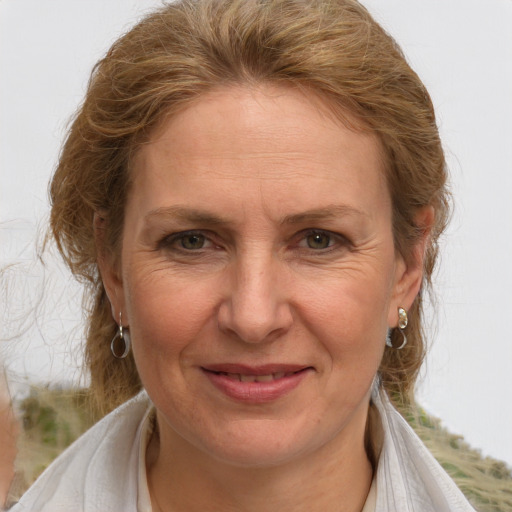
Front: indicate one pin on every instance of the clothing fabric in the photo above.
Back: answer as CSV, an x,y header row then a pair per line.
x,y
104,470
408,477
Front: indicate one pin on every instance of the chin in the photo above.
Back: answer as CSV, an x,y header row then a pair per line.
x,y
257,456
259,444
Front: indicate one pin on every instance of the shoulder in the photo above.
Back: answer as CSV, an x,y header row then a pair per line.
x,y
96,470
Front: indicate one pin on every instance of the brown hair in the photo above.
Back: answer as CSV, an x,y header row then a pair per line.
x,y
331,47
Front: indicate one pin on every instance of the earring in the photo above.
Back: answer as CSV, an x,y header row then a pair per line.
x,y
402,324
123,336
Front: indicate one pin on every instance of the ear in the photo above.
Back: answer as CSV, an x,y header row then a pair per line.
x,y
409,274
110,274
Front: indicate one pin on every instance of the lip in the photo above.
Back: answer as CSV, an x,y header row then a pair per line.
x,y
229,379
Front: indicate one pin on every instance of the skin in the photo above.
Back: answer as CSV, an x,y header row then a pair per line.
x,y
290,261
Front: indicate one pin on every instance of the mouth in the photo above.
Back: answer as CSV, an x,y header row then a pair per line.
x,y
258,373
256,384
266,377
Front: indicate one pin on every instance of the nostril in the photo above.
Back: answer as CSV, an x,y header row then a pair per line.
x,y
252,325
254,308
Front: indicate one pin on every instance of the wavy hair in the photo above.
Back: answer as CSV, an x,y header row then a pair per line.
x,y
333,48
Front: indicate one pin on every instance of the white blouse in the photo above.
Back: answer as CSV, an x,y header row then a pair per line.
x,y
105,469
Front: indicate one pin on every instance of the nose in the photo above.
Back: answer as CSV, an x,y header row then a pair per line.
x,y
256,308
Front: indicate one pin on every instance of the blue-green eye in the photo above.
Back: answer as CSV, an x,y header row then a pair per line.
x,y
192,241
318,240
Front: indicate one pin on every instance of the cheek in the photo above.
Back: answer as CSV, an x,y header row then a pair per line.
x,y
349,307
166,314
349,319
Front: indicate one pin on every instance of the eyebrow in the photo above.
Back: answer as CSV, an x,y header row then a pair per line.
x,y
186,214
327,213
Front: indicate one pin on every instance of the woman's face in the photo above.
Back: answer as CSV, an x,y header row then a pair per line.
x,y
259,276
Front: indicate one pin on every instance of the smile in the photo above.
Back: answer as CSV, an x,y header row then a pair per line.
x,y
256,385
257,378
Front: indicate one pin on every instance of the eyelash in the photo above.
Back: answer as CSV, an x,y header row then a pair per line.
x,y
332,238
335,241
169,241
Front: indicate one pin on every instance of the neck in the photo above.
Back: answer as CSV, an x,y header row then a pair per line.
x,y
335,478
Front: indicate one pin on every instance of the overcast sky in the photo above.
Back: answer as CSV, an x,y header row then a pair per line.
x,y
462,49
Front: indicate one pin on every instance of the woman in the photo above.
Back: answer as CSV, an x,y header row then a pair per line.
x,y
253,192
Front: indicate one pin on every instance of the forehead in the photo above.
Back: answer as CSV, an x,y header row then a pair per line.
x,y
261,137
263,112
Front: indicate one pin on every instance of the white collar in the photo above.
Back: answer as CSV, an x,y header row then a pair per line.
x,y
409,479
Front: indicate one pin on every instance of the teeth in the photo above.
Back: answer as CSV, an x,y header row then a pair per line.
x,y
265,378
256,378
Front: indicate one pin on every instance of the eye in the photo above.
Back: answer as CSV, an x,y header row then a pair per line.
x,y
186,241
192,241
321,242
318,240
